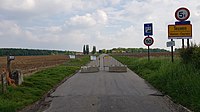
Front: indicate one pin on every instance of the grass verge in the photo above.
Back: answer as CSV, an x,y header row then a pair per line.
x,y
179,81
36,85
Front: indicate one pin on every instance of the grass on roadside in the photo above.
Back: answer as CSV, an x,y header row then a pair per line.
x,y
178,80
78,62
36,85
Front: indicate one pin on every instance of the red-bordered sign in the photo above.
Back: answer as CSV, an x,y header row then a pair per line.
x,y
182,14
148,41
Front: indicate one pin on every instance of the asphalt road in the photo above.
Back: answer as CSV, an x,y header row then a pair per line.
x,y
106,92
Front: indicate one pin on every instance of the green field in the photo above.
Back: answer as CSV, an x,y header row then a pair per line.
x,y
36,85
179,81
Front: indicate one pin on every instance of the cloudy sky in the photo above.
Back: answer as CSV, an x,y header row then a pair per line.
x,y
69,24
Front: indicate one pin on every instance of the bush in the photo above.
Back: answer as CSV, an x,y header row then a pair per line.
x,y
191,55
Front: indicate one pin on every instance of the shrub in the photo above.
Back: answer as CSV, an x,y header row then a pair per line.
x,y
191,55
196,57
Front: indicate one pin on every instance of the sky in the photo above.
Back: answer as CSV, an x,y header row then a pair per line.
x,y
106,24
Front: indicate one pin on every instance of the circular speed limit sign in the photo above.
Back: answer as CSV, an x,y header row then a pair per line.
x,y
182,14
148,41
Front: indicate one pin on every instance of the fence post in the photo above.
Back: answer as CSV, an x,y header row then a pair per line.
x,y
4,82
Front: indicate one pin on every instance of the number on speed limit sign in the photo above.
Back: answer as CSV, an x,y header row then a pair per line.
x,y
148,41
182,14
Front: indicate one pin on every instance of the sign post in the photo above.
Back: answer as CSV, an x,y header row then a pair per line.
x,y
188,43
183,43
148,41
172,50
181,29
171,44
182,14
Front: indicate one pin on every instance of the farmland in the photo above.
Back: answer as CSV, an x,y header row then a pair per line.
x,y
143,54
29,64
38,84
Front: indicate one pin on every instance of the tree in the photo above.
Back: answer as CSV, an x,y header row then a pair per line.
x,y
87,49
84,50
94,50
104,51
100,51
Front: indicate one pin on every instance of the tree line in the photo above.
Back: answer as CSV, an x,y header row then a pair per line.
x,y
29,52
131,50
86,49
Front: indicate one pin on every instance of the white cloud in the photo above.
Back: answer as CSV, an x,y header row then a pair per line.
x,y
69,24
84,21
89,20
17,5
54,29
9,28
114,2
101,17
10,31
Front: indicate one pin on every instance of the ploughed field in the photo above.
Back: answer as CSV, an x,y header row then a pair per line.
x,y
29,64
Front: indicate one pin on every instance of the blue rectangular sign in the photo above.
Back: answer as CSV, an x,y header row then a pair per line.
x,y
148,29
182,22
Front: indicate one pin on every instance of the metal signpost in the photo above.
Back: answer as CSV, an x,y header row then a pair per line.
x,y
171,44
148,41
181,29
182,14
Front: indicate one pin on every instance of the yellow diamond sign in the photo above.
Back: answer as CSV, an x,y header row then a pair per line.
x,y
180,31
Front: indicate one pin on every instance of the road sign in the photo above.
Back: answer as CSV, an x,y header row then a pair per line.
x,y
182,14
170,43
148,29
148,41
182,22
180,31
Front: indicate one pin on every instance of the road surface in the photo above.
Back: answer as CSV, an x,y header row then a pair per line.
x,y
104,91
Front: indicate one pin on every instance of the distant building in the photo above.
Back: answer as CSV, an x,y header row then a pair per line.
x,y
78,53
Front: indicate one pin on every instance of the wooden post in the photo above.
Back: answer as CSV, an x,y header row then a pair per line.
x,y
4,82
8,66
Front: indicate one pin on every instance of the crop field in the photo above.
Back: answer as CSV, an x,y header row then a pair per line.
x,y
29,64
154,54
39,83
